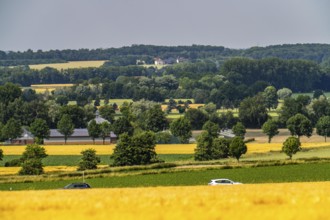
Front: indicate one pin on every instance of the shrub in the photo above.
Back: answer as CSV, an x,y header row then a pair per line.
x,y
13,163
32,167
31,160
89,160
135,150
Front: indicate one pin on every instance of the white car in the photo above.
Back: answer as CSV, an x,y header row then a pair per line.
x,y
222,182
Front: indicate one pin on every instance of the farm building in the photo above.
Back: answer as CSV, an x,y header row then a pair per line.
x,y
79,136
159,61
25,138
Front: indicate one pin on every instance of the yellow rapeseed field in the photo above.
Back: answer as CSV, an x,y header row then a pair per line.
x,y
259,201
100,149
160,148
175,148
61,149
267,147
42,88
14,170
47,169
69,65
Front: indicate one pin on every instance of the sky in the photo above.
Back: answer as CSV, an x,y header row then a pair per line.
x,y
75,24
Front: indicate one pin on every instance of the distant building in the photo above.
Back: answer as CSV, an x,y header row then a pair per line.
x,y
140,62
25,138
227,133
159,61
79,136
181,60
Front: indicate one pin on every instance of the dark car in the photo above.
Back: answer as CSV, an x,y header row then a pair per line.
x,y
77,186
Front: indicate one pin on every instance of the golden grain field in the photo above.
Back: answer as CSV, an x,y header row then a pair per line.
x,y
14,170
61,149
160,148
100,149
70,65
247,201
42,88
47,169
267,147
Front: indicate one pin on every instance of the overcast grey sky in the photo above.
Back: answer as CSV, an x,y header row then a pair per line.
x,y
74,24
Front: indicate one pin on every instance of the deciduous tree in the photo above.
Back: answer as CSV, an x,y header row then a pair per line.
x,y
105,129
107,112
196,117
122,125
135,150
237,147
291,146
203,149
39,128
12,129
155,119
65,127
181,128
93,130
212,128
239,130
300,125
271,98
253,112
270,128
323,127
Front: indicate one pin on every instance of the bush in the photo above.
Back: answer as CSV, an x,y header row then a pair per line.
x,y
89,160
135,150
163,137
31,167
31,160
13,163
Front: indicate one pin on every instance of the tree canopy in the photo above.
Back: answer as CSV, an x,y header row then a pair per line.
x,y
138,149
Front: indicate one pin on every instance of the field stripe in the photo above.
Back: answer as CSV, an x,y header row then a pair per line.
x,y
160,148
254,201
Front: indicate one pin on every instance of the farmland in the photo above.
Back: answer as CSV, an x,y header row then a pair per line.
x,y
42,88
277,201
160,148
69,65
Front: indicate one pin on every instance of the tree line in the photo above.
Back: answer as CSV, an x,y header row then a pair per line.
x,y
319,53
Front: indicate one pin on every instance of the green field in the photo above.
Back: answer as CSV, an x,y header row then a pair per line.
x,y
73,160
181,170
268,174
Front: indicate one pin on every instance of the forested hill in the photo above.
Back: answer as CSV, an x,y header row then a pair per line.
x,y
315,52
319,53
